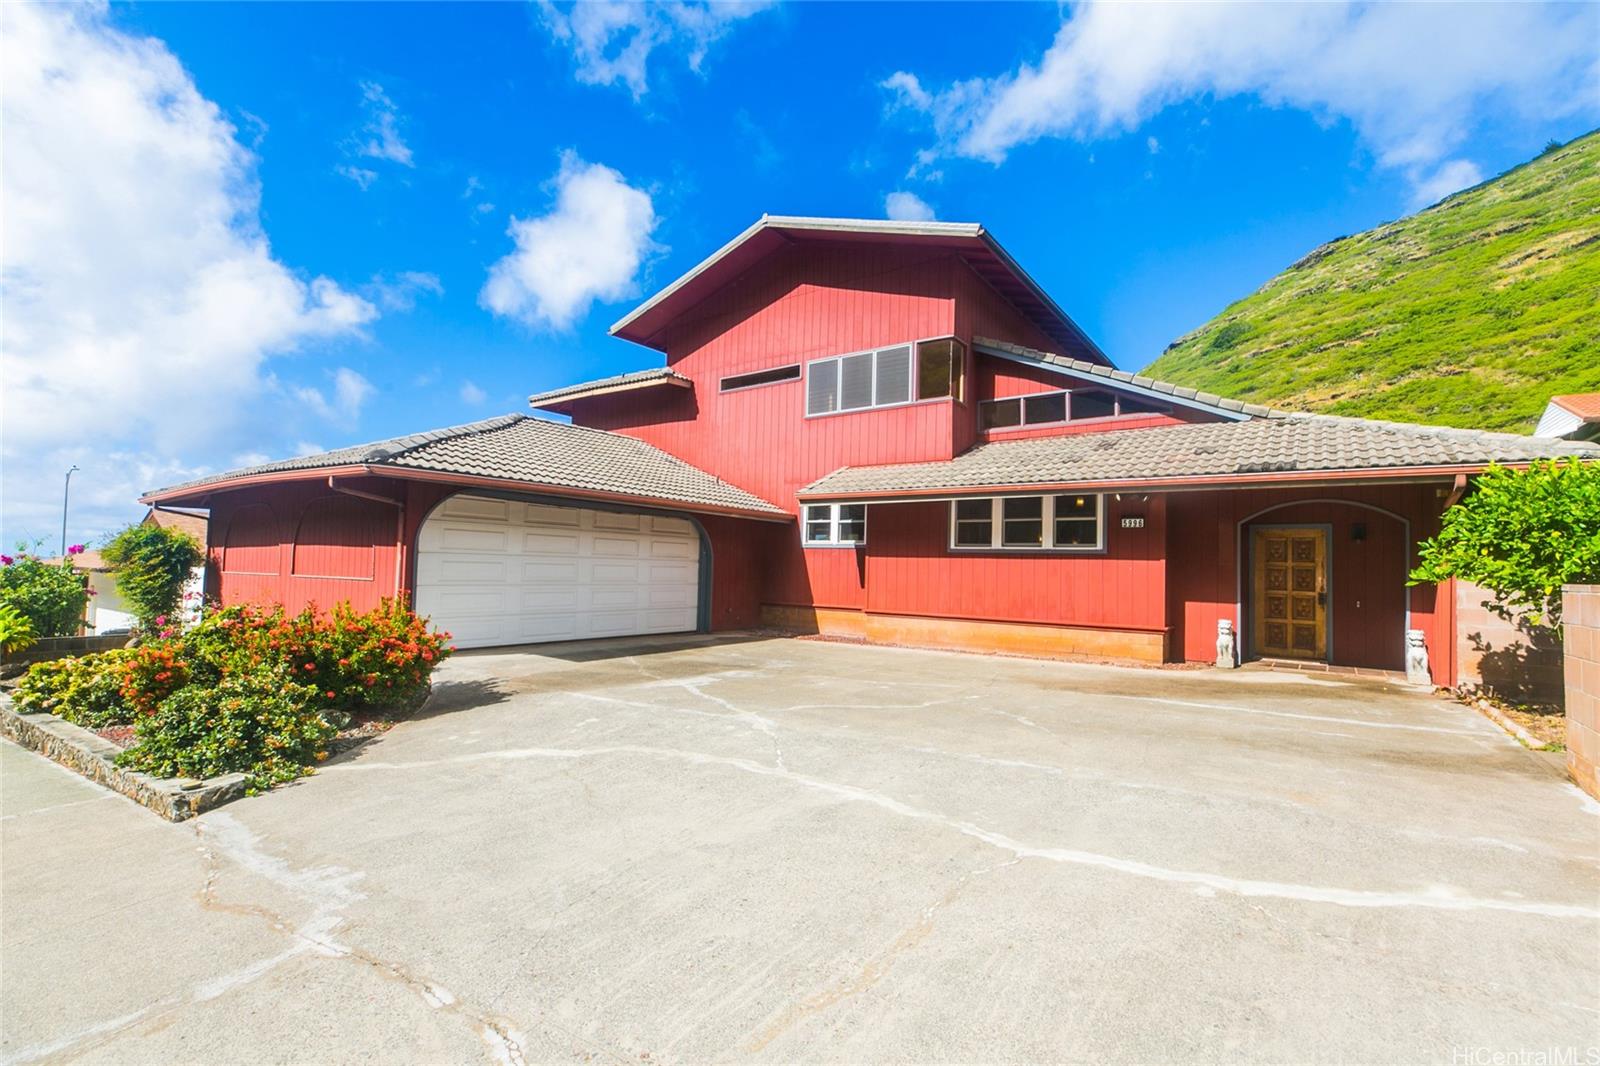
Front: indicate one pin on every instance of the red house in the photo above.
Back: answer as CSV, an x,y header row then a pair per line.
x,y
885,430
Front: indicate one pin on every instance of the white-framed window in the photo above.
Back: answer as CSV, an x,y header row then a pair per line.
x,y
1061,406
1058,522
834,525
886,377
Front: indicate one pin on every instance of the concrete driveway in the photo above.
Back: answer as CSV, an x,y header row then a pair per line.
x,y
691,850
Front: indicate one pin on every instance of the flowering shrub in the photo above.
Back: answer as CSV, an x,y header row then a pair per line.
x,y
264,724
50,595
86,691
16,629
207,688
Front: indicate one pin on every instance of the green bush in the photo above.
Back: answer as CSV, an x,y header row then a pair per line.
x,y
264,724
1522,535
86,691
51,596
152,564
16,629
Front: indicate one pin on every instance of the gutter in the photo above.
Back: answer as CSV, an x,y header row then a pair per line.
x,y
415,474
1378,475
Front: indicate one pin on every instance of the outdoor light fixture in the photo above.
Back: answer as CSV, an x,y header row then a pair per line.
x,y
1358,531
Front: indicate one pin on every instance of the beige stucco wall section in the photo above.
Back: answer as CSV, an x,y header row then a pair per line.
x,y
1580,611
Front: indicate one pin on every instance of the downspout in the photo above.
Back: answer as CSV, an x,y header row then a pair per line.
x,y
1457,490
399,522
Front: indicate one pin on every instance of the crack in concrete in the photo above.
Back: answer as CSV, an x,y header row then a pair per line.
x,y
1439,897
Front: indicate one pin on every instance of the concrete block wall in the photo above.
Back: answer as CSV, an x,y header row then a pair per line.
x,y
1580,611
1513,661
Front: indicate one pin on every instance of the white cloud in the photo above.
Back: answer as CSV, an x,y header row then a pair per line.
x,y
380,135
401,291
472,394
1452,176
907,206
141,297
589,247
612,39
1411,78
360,175
1153,145
350,392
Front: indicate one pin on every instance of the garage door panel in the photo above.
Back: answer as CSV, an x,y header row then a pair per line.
x,y
539,515
616,546
481,508
505,572
551,543
556,573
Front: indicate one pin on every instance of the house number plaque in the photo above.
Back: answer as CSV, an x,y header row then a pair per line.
x,y
1133,521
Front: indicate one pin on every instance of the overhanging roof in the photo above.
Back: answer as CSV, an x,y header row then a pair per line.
x,y
513,452
1253,452
561,399
770,233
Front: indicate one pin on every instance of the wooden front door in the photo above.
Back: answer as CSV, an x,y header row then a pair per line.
x,y
1289,603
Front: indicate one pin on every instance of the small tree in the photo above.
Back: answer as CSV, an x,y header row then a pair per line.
x,y
152,564
1522,536
50,595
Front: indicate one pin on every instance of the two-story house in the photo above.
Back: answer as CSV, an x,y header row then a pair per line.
x,y
884,430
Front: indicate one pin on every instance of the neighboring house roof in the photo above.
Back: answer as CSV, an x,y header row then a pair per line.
x,y
1160,390
1574,415
976,246
518,451
194,523
560,399
1254,451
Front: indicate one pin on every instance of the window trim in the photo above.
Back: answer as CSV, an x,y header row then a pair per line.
x,y
1022,398
911,392
833,540
799,375
1048,513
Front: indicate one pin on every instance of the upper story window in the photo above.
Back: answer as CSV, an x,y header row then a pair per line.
x,y
1073,522
835,524
885,377
1055,408
761,377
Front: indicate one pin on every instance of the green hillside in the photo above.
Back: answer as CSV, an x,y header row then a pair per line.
x,y
1470,313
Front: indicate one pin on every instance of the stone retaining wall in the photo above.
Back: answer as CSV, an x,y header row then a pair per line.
x,y
1580,613
94,757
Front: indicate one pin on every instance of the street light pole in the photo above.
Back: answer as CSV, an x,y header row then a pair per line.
x,y
65,491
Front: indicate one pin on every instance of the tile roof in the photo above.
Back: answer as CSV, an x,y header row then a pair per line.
x,y
1586,405
1221,404
192,523
1198,452
638,379
521,449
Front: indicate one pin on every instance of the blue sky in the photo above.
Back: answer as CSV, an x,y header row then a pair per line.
x,y
242,231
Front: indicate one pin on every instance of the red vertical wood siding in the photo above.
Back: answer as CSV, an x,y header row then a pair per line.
x,y
303,545
1208,550
911,570
812,301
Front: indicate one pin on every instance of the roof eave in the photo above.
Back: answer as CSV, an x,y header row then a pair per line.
x,y
562,404
1185,483
403,473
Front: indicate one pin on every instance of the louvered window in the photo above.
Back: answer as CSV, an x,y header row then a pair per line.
x,y
855,381
822,387
894,375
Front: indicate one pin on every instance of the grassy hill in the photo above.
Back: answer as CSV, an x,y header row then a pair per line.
x,y
1470,313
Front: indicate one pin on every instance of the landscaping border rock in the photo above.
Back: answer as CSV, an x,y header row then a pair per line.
x,y
94,757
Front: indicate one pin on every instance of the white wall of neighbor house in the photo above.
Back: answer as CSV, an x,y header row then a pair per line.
x,y
108,612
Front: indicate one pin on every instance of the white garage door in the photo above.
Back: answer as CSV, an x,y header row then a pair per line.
x,y
504,572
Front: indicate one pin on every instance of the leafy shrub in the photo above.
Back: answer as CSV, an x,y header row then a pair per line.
x,y
155,670
263,724
152,564
51,596
1522,536
86,691
16,629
